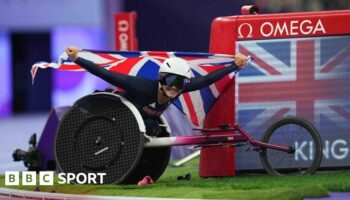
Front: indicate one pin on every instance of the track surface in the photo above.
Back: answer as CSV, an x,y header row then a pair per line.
x,y
13,194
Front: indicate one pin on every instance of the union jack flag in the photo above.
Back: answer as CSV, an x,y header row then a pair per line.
x,y
146,64
306,77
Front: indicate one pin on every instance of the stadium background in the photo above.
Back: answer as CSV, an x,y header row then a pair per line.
x,y
32,31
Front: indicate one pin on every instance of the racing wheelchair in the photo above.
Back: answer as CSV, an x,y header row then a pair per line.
x,y
104,132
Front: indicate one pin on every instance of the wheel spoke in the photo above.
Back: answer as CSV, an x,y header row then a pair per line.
x,y
284,135
281,160
293,131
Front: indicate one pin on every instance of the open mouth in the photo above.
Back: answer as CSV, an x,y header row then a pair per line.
x,y
173,90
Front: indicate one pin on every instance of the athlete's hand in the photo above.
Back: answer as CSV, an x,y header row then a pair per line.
x,y
241,60
72,52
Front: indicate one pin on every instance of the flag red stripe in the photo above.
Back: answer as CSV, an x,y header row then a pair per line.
x,y
69,67
341,112
108,57
340,58
191,109
126,66
282,112
259,61
158,53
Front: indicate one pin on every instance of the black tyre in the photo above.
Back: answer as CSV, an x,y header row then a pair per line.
x,y
153,163
99,134
299,134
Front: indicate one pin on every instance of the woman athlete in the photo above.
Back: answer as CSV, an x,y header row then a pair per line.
x,y
152,97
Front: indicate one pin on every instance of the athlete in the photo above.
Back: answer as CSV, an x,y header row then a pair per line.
x,y
152,97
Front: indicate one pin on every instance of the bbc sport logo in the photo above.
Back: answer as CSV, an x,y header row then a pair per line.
x,y
47,178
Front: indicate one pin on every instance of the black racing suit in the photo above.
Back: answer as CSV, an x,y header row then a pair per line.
x,y
143,92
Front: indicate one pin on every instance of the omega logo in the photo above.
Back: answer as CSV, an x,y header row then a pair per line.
x,y
248,28
292,28
283,28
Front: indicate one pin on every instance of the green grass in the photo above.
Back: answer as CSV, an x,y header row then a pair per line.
x,y
242,186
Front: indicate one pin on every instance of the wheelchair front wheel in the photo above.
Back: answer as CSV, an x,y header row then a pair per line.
x,y
299,134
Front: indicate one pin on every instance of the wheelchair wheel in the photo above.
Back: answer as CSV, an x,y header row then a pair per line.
x,y
153,162
101,133
299,134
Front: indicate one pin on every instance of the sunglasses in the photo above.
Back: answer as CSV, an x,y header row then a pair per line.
x,y
175,80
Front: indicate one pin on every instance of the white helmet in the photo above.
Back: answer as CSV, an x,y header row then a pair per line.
x,y
176,66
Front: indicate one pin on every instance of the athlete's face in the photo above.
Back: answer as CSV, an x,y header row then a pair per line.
x,y
171,91
173,84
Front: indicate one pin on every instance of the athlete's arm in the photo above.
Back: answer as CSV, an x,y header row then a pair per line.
x,y
124,81
129,83
204,81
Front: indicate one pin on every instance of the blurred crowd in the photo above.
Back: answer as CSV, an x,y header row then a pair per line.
x,y
282,6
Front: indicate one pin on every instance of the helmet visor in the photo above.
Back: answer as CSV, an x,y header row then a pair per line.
x,y
179,82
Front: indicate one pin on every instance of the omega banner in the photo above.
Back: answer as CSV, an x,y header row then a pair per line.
x,y
125,31
302,68
293,25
